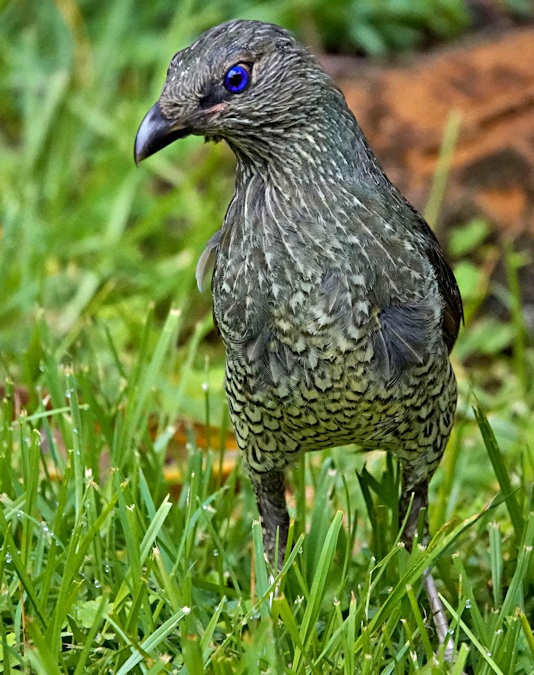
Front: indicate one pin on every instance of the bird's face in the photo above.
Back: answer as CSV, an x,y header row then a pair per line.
x,y
241,81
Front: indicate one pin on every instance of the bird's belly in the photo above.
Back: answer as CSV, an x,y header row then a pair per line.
x,y
330,406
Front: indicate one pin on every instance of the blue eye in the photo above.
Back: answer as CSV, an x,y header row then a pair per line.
x,y
237,78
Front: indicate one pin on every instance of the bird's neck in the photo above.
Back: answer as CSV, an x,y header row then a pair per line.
x,y
329,147
295,199
294,189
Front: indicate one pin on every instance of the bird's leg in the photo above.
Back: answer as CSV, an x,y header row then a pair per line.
x,y
419,492
271,498
420,500
438,614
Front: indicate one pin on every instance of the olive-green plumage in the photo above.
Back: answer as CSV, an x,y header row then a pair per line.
x,y
332,296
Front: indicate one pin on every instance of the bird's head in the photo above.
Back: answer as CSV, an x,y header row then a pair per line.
x,y
248,82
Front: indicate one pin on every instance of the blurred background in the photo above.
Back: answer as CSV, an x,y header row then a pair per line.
x,y
444,90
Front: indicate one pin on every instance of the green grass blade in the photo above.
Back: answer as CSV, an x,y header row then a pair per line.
x,y
206,639
153,641
461,659
91,635
496,561
260,566
501,472
154,528
283,610
439,181
315,599
478,621
515,595
18,564
423,633
529,633
483,651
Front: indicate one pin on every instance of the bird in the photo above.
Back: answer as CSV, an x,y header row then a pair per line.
x,y
332,295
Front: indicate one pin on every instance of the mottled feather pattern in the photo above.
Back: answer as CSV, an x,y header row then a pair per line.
x,y
332,296
325,334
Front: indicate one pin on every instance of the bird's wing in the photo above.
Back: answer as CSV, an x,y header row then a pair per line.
x,y
207,259
397,209
453,311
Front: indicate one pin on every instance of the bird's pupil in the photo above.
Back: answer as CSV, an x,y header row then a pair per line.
x,y
235,79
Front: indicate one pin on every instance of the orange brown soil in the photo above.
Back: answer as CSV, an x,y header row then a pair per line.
x,y
403,110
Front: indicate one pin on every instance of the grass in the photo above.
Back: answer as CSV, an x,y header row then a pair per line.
x,y
107,352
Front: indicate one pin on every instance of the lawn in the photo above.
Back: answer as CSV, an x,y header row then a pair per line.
x,y
129,536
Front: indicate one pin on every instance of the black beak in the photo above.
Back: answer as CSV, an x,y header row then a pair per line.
x,y
155,132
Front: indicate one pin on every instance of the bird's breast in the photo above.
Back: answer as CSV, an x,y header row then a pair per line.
x,y
279,321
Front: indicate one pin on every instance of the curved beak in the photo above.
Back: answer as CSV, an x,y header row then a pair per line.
x,y
155,132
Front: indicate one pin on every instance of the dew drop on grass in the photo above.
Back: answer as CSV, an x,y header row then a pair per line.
x,y
468,604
